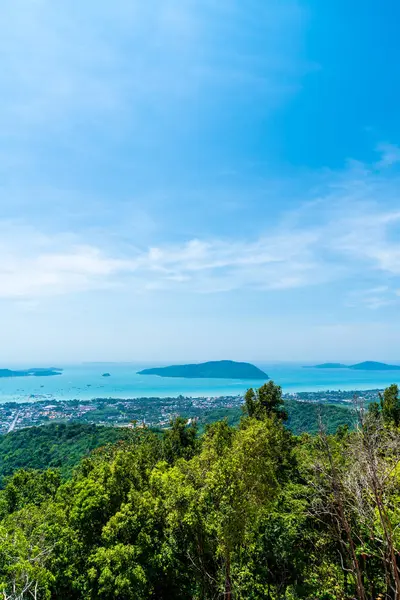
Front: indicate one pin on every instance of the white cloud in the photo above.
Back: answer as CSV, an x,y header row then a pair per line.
x,y
390,154
277,261
373,298
77,270
347,231
287,256
33,265
341,244
368,237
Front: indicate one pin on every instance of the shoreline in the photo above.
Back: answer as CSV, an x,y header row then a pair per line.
x,y
292,395
84,383
87,397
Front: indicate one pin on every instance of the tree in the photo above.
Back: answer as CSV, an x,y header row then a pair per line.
x,y
332,505
372,481
25,552
265,402
241,513
29,487
390,405
180,441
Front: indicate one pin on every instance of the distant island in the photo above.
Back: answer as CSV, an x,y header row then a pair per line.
x,y
328,366
368,365
106,375
221,369
30,372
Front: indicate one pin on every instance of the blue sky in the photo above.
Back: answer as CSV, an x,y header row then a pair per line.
x,y
199,179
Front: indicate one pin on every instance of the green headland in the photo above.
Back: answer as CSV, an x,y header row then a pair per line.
x,y
221,369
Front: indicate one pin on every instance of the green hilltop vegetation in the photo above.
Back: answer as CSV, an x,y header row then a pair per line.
x,y
59,446
241,512
303,417
63,445
221,369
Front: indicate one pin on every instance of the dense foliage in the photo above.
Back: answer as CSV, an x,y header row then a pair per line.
x,y
64,445
303,417
249,512
56,445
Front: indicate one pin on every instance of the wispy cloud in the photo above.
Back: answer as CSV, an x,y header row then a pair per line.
x,y
105,75
278,261
344,243
390,154
98,99
134,61
369,238
34,265
41,265
330,239
373,298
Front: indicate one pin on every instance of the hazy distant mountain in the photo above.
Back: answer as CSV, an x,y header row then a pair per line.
x,y
368,365
30,372
221,369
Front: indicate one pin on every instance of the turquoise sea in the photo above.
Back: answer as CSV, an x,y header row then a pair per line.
x,y
85,381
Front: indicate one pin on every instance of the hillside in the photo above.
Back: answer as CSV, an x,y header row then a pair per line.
x,y
221,369
64,445
303,416
53,446
248,512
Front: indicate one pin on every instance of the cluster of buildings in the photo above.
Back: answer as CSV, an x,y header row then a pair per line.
x,y
335,396
151,411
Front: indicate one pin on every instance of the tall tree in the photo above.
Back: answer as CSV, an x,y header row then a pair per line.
x,y
266,401
390,405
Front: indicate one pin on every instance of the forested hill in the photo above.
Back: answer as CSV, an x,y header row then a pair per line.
x,y
53,446
303,417
64,445
240,513
219,369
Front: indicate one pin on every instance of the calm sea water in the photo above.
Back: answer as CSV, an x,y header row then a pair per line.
x,y
86,381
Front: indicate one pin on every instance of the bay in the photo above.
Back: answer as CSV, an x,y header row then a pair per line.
x,y
85,381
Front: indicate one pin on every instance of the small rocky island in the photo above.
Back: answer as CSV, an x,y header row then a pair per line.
x,y
327,366
220,369
30,372
368,365
106,375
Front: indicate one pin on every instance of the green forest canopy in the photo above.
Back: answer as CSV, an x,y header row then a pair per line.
x,y
63,445
246,512
58,445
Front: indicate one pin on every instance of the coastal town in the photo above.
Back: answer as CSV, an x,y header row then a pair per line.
x,y
108,411
153,412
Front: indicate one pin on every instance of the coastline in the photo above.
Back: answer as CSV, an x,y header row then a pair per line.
x,y
88,395
152,411
85,382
